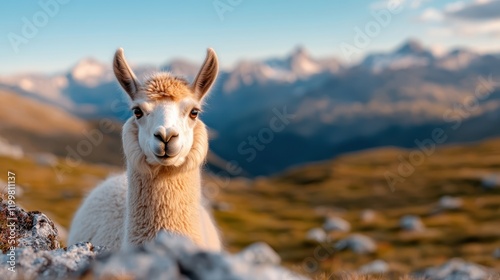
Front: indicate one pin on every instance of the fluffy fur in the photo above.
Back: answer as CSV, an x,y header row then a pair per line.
x,y
130,209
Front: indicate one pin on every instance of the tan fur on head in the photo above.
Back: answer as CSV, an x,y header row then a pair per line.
x,y
164,85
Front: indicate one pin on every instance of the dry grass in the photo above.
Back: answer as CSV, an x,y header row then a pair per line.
x,y
280,210
35,117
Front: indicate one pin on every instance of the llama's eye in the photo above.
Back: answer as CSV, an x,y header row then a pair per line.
x,y
194,113
138,113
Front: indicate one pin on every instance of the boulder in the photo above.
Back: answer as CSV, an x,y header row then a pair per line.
x,y
175,257
45,159
260,261
450,203
496,253
169,256
411,223
30,229
358,243
259,253
10,150
336,224
491,181
317,235
457,269
375,267
368,216
67,263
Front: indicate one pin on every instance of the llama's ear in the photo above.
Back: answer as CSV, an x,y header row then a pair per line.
x,y
207,75
124,74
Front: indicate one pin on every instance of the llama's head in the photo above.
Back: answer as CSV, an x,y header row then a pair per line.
x,y
166,109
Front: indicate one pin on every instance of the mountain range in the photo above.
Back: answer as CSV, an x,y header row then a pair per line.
x,y
391,98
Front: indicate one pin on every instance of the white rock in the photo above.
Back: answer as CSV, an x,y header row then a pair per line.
x,y
261,272
375,267
458,269
34,229
316,234
336,224
174,257
450,203
491,181
168,256
358,243
55,264
496,253
259,253
260,261
368,215
411,223
9,150
45,159
222,206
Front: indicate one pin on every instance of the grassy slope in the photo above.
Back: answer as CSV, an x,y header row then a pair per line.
x,y
39,127
280,210
36,117
56,191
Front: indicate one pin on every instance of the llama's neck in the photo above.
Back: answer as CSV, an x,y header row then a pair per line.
x,y
163,201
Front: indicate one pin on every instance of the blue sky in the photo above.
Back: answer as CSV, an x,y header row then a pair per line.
x,y
157,31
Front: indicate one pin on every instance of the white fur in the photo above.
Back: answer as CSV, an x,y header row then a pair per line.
x,y
101,220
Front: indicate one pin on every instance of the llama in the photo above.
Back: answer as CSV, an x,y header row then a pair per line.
x,y
165,145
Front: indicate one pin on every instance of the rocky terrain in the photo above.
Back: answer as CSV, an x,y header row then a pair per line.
x,y
36,255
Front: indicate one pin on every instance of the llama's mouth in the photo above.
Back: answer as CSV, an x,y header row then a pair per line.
x,y
165,160
167,157
163,151
164,157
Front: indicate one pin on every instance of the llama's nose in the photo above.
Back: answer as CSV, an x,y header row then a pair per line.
x,y
165,134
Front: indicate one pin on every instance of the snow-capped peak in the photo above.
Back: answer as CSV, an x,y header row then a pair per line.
x,y
91,72
411,46
298,65
410,54
302,64
457,59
